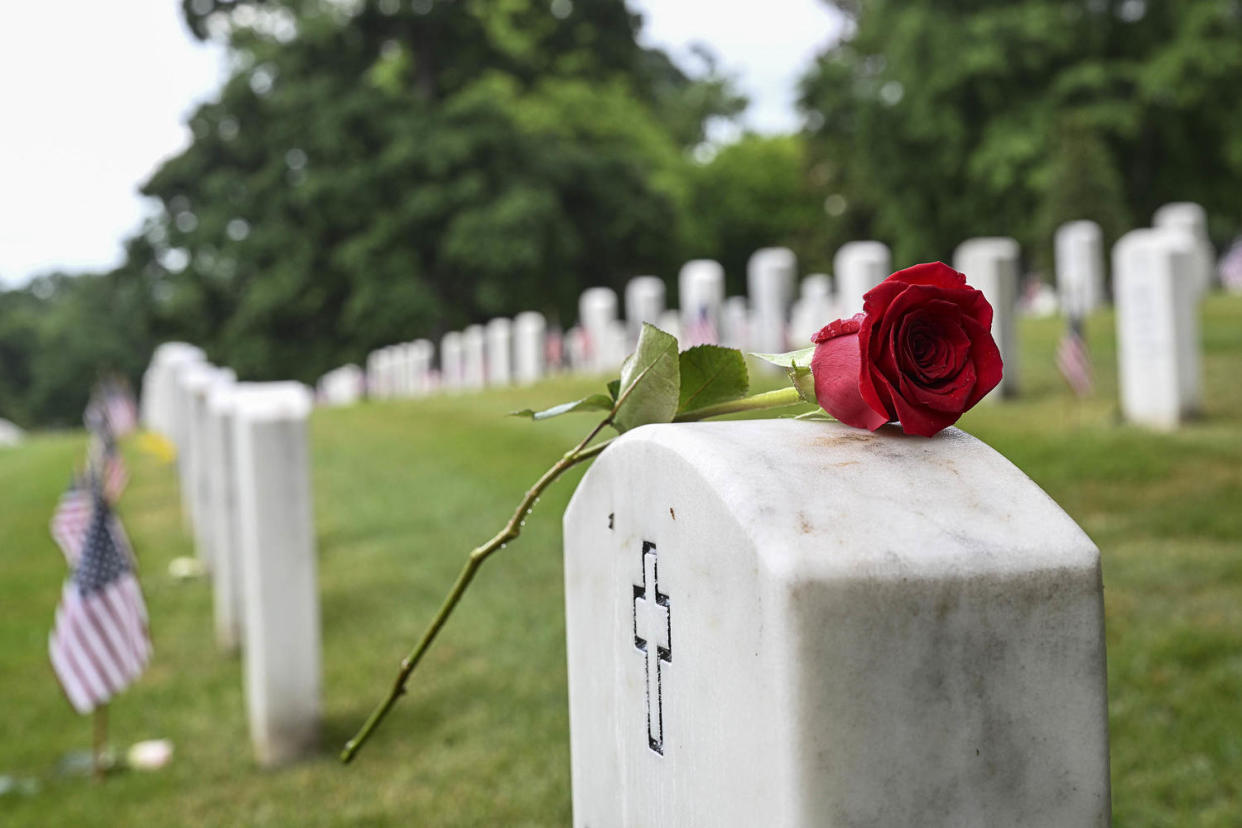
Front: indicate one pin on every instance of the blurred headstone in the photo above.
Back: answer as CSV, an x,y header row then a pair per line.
x,y
1157,297
530,333
701,289
499,352
1080,268
991,264
452,361
474,357
814,308
770,276
280,590
597,315
644,302
10,435
859,266
1190,219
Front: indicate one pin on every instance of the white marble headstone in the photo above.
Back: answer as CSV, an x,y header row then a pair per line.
x,y
644,302
770,276
452,367
991,264
597,315
701,290
499,352
1080,268
530,337
859,266
226,576
814,308
474,357
159,385
735,323
789,623
280,590
1189,218
1157,327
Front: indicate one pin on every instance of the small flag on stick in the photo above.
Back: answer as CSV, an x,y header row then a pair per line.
x,y
1074,361
99,642
71,520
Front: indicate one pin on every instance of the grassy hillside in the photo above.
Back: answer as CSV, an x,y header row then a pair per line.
x,y
403,489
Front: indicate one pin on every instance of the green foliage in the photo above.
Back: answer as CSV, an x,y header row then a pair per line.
x,y
711,374
594,402
650,381
941,120
759,192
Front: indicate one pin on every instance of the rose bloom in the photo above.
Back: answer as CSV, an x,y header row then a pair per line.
x,y
921,353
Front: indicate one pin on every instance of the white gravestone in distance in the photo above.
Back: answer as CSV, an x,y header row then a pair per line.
x,y
735,323
701,294
159,385
644,302
1157,327
225,554
281,601
1080,268
200,480
597,314
991,264
814,309
191,378
530,340
770,276
474,357
422,355
341,386
10,434
499,352
787,623
859,266
1189,218
452,365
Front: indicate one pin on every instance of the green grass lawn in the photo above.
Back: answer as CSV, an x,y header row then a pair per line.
x,y
402,490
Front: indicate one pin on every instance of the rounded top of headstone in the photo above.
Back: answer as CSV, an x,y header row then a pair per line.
x,y
1181,214
854,252
644,284
598,296
168,352
772,258
1002,246
499,325
473,332
530,320
422,348
696,269
816,286
452,339
271,401
826,500
1136,248
196,376
1081,229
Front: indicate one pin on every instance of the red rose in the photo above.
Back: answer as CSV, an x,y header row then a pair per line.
x,y
921,352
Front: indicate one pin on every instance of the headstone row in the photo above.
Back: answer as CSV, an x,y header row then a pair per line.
x,y
244,470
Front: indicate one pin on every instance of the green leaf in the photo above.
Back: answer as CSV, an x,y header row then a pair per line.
x,y
595,402
650,381
614,388
803,382
711,374
802,356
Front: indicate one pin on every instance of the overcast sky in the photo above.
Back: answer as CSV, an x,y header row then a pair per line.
x,y
93,95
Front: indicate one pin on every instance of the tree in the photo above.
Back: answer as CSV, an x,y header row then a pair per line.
x,y
389,170
953,119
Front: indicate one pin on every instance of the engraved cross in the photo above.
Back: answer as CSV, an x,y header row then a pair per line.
x,y
653,636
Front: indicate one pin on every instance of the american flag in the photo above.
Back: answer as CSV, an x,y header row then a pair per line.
x,y
115,474
99,642
701,330
1074,361
71,520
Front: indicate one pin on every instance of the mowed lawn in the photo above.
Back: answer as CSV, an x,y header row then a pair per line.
x,y
404,489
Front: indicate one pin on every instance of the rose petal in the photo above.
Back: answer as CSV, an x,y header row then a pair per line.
x,y
922,421
985,357
936,274
836,367
839,328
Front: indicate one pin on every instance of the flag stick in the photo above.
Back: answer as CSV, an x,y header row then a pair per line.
x,y
101,740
